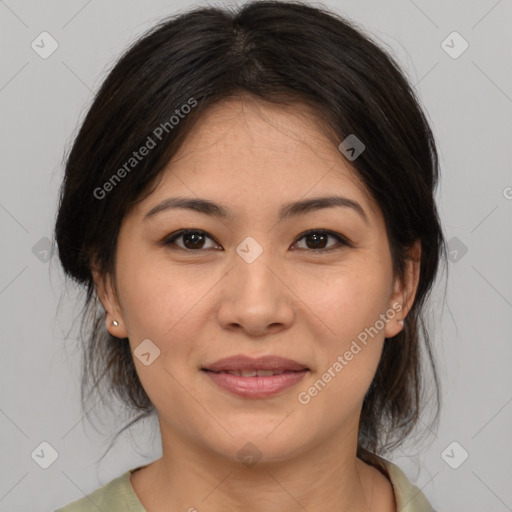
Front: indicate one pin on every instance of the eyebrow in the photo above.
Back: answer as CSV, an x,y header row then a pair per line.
x,y
286,211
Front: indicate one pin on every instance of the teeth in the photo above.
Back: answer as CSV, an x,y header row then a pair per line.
x,y
248,373
253,373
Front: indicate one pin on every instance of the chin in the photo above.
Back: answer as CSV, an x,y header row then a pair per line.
x,y
251,447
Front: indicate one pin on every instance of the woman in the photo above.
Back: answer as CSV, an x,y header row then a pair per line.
x,y
251,199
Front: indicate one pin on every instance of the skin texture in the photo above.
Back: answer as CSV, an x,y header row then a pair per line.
x,y
207,303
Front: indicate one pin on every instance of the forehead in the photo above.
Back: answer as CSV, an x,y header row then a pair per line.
x,y
243,148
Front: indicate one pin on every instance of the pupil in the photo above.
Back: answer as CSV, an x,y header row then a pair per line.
x,y
317,237
195,239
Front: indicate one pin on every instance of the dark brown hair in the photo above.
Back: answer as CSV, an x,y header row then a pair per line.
x,y
284,53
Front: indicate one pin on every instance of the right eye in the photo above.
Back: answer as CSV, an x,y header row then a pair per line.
x,y
192,239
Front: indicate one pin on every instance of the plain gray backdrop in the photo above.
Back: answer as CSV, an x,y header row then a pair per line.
x,y
466,464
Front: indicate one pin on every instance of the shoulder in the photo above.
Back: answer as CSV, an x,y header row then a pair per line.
x,y
408,497
115,496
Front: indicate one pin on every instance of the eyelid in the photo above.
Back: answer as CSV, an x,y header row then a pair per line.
x,y
169,239
343,240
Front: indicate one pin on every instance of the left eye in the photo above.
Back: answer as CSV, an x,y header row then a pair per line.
x,y
194,239
319,239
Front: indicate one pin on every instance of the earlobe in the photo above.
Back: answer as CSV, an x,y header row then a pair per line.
x,y
404,291
396,314
113,316
115,328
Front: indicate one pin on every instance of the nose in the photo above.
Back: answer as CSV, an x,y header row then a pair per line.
x,y
256,298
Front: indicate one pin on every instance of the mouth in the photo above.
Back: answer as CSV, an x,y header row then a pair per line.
x,y
254,373
242,363
255,378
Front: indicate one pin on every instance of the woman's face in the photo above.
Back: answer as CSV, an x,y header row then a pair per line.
x,y
254,283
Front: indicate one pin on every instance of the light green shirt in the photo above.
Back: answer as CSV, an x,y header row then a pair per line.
x,y
119,496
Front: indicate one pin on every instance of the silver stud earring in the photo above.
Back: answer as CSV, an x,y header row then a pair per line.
x,y
115,323
401,322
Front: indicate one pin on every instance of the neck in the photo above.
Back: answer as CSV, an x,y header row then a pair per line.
x,y
189,477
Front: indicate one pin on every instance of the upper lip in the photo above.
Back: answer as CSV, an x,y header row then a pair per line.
x,y
242,362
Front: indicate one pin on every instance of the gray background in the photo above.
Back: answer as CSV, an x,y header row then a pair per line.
x,y
469,103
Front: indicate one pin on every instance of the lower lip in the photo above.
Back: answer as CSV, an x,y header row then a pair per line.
x,y
256,387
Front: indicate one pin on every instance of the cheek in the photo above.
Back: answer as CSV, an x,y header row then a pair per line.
x,y
345,300
167,309
167,305
336,395
349,304
155,295
347,360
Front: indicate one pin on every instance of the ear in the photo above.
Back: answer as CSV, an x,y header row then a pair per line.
x,y
105,291
404,291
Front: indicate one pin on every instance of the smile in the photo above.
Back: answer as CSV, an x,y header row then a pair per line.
x,y
255,383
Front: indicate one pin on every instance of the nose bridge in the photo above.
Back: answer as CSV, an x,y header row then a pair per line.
x,y
253,263
254,298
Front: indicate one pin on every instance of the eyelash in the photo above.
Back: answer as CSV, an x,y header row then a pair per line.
x,y
169,240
